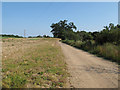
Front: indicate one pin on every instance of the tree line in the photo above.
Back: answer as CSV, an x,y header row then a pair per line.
x,y
67,31
11,36
39,36
17,36
105,43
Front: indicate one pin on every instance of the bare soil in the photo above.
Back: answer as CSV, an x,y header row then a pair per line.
x,y
88,71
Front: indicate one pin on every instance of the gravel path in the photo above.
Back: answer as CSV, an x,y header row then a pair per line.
x,y
89,71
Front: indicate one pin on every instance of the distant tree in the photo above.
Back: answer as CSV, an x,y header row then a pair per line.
x,y
46,36
29,36
39,36
11,36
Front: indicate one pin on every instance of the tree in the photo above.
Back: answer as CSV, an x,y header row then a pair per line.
x,y
84,36
109,34
62,29
39,36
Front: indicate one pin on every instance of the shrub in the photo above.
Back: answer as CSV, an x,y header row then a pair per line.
x,y
78,44
70,42
88,45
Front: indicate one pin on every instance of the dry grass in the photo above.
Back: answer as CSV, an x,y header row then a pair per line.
x,y
32,63
108,51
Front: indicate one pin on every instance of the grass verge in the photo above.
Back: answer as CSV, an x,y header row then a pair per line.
x,y
107,51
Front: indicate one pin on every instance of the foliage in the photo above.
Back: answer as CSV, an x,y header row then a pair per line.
x,y
63,30
110,34
11,36
39,36
107,50
105,43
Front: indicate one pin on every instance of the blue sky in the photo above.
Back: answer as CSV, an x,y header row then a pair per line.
x,y
36,18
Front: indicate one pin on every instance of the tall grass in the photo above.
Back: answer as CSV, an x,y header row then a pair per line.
x,y
107,50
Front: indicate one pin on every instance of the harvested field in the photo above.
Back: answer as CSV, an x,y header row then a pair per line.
x,y
32,63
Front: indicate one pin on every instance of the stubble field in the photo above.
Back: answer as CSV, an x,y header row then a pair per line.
x,y
32,63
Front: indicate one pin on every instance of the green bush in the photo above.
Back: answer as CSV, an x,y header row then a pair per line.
x,y
70,42
78,44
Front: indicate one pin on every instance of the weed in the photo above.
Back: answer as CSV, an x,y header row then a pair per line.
x,y
14,81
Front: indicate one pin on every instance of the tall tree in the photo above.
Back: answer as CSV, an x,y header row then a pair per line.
x,y
61,29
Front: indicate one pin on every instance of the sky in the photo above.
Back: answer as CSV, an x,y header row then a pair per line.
x,y
37,17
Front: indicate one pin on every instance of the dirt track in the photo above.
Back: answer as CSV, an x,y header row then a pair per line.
x,y
89,71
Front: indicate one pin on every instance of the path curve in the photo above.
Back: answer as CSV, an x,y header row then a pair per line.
x,y
89,71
